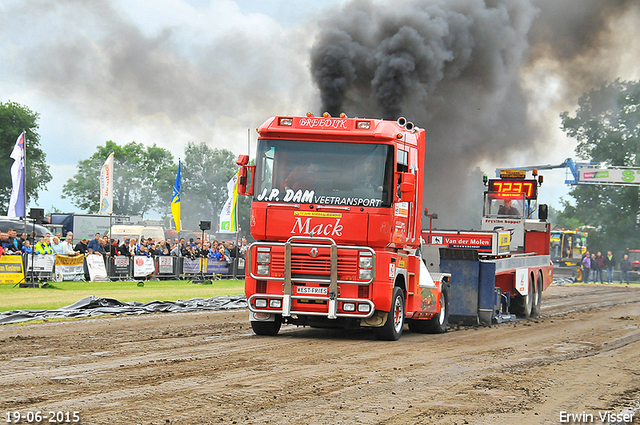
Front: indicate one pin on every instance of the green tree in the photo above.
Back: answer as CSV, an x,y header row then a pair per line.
x,y
607,128
15,118
143,179
205,174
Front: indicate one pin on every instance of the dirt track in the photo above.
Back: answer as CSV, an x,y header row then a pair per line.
x,y
582,355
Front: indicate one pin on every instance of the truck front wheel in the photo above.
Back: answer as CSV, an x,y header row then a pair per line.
x,y
392,329
267,328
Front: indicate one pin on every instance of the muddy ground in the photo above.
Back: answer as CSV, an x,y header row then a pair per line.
x,y
581,356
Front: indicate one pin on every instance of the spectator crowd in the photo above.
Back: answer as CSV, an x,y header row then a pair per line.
x,y
595,266
12,244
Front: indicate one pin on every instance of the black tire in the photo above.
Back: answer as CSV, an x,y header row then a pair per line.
x,y
392,329
537,301
438,323
267,328
523,305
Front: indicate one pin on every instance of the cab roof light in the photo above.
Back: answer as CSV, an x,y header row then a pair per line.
x,y
309,114
363,125
343,115
326,115
285,121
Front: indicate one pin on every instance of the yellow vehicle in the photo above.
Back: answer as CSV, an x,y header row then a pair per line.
x,y
567,249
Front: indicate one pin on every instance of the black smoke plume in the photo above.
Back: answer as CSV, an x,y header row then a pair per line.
x,y
455,67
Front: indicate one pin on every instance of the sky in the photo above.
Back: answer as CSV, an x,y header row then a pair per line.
x,y
171,72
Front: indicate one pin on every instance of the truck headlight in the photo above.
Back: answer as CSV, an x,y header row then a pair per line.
x,y
263,269
349,306
364,308
364,274
264,257
261,303
366,262
275,303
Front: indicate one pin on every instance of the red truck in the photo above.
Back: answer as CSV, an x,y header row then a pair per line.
x,y
337,218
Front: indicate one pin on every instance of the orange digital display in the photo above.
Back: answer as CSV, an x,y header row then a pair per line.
x,y
514,188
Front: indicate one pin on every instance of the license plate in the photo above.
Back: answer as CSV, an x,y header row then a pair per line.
x,y
312,290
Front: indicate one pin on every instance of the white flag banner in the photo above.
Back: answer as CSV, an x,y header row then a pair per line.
x,y
16,201
106,186
227,215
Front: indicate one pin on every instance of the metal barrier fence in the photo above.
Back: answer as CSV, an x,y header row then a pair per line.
x,y
50,267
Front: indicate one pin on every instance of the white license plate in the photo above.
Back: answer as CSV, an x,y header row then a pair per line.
x,y
312,290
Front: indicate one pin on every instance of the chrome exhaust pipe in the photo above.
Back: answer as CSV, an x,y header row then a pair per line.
x,y
402,121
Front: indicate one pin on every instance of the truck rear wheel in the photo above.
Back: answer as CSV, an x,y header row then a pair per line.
x,y
523,305
267,328
537,301
392,329
438,323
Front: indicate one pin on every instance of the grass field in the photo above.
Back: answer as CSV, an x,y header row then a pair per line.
x,y
60,294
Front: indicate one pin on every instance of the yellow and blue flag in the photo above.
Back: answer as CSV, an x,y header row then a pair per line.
x,y
175,200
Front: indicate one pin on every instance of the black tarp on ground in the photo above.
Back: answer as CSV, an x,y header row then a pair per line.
x,y
97,306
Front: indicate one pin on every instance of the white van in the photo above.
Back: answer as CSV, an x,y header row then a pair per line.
x,y
126,231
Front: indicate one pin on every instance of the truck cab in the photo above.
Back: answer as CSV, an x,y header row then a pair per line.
x,y
336,215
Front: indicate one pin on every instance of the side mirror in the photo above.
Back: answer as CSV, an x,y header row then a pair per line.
x,y
543,211
244,187
407,187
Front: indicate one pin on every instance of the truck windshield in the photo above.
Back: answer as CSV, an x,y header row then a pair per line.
x,y
352,174
498,205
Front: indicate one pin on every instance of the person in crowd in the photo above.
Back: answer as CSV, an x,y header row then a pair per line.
x,y
233,250
625,268
81,247
43,246
133,246
26,247
594,267
7,244
609,263
224,253
95,243
243,247
56,246
67,245
23,236
143,249
162,249
176,251
15,240
218,254
124,248
204,251
586,266
600,267
115,243
188,252
105,246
